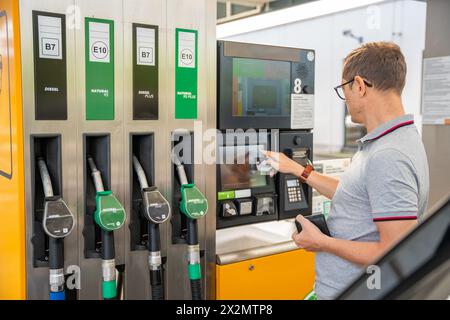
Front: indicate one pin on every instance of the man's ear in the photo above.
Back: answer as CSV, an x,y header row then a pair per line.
x,y
360,86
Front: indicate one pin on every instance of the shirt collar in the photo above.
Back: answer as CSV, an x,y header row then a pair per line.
x,y
387,127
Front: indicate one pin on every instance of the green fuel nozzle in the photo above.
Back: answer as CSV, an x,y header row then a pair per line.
x,y
193,202
109,212
194,205
109,216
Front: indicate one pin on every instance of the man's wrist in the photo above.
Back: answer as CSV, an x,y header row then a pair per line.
x,y
298,173
326,244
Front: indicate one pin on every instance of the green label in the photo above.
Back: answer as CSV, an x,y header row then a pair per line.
x,y
225,195
109,213
194,271
186,64
109,290
193,202
99,54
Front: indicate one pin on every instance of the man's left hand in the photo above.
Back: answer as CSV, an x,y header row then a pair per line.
x,y
310,238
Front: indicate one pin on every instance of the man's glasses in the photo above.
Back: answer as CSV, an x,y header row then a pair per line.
x,y
340,89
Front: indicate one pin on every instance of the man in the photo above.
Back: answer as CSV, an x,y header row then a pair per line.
x,y
385,189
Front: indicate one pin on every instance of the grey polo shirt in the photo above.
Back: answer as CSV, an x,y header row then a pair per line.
x,y
387,180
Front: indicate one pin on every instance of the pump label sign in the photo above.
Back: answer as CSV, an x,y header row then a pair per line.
x,y
186,74
145,41
99,55
50,74
50,37
145,72
186,49
99,42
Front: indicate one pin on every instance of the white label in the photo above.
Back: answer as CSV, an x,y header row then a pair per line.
x,y
302,111
246,193
145,44
333,168
99,42
50,37
436,91
186,50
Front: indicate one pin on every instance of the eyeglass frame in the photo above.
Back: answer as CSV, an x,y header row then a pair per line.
x,y
348,82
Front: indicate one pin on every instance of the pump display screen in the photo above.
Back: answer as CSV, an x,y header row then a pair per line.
x,y
238,167
261,88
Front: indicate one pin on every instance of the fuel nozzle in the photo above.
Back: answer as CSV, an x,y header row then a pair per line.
x,y
109,216
194,205
109,212
58,223
156,207
193,202
156,210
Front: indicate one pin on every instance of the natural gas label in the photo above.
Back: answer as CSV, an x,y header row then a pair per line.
x,y
99,59
99,42
50,37
186,74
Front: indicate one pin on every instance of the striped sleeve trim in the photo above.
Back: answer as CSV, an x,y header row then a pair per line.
x,y
394,218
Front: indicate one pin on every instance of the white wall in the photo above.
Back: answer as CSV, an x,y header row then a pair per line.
x,y
400,21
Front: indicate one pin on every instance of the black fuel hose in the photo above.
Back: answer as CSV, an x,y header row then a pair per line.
x,y
154,247
194,259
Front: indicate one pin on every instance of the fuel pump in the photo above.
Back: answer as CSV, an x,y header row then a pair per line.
x,y
194,205
58,223
156,210
109,215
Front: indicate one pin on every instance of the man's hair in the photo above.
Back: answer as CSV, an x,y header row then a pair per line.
x,y
380,63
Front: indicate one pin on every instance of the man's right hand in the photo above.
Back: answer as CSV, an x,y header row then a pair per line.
x,y
283,163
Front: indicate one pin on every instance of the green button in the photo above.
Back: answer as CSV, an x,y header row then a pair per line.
x,y
225,195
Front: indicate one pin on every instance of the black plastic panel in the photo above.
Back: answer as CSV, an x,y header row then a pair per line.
x,y
302,68
292,143
269,190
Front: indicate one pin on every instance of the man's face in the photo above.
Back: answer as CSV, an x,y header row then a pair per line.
x,y
353,101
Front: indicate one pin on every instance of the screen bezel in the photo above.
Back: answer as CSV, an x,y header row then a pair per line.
x,y
226,120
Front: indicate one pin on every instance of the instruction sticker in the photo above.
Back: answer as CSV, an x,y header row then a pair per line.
x,y
145,39
50,37
436,91
302,111
99,42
